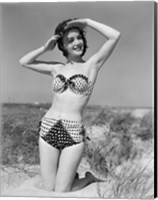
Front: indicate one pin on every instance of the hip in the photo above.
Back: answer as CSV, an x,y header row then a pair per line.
x,y
63,131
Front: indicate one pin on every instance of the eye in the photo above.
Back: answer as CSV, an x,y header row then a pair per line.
x,y
79,37
70,40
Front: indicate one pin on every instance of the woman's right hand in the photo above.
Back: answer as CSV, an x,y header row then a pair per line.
x,y
50,44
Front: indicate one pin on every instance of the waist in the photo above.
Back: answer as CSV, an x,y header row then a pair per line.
x,y
73,122
65,114
67,108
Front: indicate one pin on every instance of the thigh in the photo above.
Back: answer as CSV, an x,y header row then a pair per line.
x,y
49,157
69,161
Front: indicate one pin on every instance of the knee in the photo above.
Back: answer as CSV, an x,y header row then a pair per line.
x,y
48,186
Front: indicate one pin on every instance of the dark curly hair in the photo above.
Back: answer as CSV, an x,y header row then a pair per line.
x,y
61,30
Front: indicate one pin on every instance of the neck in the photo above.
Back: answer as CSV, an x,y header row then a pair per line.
x,y
75,60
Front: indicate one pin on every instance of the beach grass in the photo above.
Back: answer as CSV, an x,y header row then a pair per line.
x,y
120,146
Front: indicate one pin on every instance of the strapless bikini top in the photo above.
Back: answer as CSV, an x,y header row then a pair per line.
x,y
77,83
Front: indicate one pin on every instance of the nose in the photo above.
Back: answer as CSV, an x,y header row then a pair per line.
x,y
77,42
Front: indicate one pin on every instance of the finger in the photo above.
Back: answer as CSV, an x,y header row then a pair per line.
x,y
71,23
76,23
74,20
55,37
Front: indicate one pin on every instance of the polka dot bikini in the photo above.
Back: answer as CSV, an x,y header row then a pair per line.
x,y
61,133
77,83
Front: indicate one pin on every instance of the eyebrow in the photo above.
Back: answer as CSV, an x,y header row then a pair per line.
x,y
69,37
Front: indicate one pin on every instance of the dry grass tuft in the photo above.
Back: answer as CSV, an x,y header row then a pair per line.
x,y
131,181
118,143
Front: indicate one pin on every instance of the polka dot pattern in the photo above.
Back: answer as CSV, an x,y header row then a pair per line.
x,y
78,84
61,133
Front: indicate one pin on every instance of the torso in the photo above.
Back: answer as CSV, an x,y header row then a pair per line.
x,y
68,104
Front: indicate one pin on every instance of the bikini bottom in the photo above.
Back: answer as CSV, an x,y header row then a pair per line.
x,y
61,133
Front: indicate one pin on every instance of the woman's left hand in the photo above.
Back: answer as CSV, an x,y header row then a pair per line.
x,y
78,22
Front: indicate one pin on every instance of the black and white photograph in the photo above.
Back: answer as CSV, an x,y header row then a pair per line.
x,y
77,99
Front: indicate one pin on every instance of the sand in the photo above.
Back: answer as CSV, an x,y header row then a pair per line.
x,y
19,183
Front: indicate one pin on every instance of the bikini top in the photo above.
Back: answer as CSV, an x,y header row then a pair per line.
x,y
77,83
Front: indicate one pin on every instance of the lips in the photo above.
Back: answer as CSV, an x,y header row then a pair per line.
x,y
77,48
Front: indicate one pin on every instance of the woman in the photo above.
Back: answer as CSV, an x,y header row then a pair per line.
x,y
62,133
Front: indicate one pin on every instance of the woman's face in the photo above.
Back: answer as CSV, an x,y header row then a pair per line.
x,y
73,43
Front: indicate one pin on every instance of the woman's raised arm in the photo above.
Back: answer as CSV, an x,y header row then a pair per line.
x,y
111,37
29,60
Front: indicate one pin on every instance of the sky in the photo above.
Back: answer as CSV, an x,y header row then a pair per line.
x,y
126,79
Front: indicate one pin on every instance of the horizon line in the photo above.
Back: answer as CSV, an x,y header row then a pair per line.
x,y
101,105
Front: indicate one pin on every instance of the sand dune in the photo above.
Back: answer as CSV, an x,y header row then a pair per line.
x,y
20,184
27,182
32,188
